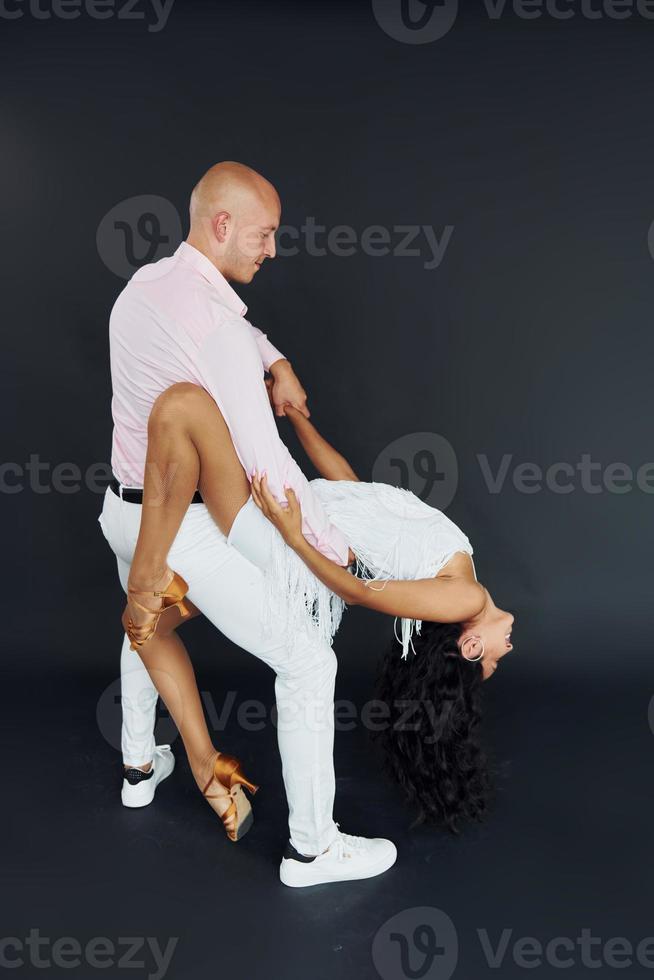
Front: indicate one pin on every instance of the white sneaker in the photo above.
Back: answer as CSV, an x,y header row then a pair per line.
x,y
139,787
347,859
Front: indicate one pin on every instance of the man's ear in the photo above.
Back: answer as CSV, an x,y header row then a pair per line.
x,y
221,226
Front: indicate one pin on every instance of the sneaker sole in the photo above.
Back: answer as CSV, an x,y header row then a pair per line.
x,y
323,880
136,806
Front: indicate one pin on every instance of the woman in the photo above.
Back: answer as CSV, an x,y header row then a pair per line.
x,y
415,564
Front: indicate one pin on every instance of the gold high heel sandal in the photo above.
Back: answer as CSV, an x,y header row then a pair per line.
x,y
227,770
173,595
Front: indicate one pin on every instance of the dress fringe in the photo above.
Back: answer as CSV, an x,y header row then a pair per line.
x,y
293,591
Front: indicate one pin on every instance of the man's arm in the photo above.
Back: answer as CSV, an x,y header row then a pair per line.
x,y
230,367
286,388
269,353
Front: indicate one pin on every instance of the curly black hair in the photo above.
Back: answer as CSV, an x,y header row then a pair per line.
x,y
431,744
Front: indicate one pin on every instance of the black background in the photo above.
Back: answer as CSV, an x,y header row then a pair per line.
x,y
532,338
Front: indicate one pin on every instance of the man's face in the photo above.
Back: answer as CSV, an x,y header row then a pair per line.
x,y
252,236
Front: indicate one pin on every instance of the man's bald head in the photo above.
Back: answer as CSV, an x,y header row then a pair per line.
x,y
227,185
234,215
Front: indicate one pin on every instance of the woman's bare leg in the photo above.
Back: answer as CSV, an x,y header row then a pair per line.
x,y
169,665
189,447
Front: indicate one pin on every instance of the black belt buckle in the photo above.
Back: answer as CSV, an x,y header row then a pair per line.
x,y
133,495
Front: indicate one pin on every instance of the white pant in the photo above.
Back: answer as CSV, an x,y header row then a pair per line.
x,y
229,590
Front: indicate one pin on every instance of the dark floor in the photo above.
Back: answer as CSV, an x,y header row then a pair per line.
x,y
568,848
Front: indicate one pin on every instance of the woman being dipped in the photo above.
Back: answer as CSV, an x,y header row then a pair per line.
x,y
413,564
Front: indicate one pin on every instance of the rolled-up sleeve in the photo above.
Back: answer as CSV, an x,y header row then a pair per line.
x,y
230,366
269,353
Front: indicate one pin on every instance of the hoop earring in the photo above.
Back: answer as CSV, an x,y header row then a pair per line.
x,y
475,660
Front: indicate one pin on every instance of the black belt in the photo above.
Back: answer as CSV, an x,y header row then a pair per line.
x,y
134,496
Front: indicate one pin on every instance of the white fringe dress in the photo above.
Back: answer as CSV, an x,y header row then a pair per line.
x,y
393,534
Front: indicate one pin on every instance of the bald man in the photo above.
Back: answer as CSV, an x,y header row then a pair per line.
x,y
179,320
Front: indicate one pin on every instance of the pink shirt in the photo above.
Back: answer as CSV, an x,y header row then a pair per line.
x,y
179,320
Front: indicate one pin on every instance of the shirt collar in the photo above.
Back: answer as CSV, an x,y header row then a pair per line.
x,y
191,255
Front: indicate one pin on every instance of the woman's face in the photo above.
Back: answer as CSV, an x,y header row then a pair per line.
x,y
492,627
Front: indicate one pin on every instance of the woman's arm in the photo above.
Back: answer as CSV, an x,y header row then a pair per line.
x,y
441,600
329,463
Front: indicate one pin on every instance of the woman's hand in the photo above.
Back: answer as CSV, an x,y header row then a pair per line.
x,y
287,520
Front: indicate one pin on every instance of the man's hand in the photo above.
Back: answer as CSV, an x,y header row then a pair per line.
x,y
286,389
